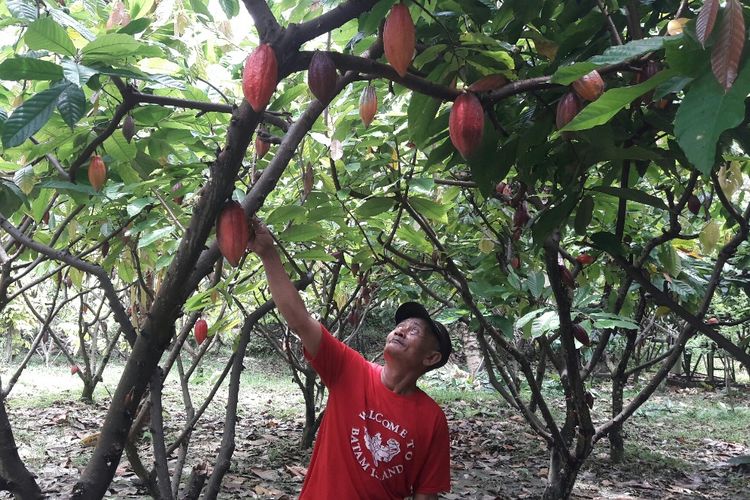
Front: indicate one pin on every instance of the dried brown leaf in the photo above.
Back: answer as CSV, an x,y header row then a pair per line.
x,y
704,25
725,57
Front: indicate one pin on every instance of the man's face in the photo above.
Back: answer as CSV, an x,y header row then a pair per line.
x,y
411,342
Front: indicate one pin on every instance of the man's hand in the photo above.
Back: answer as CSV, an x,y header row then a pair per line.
x,y
261,242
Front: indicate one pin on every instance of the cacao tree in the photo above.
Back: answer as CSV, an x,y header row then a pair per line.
x,y
556,174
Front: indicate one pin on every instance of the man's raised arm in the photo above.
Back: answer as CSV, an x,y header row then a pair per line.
x,y
284,294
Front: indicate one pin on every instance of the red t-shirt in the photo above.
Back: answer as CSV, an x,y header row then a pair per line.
x,y
373,443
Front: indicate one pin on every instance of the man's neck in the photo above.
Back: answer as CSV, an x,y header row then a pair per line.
x,y
399,381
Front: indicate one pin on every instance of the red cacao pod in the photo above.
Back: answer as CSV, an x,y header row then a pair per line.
x,y
74,369
712,321
97,172
200,330
399,38
581,336
649,69
321,77
261,147
515,262
585,259
500,187
466,124
45,217
590,86
233,232
694,204
128,127
368,105
105,248
259,76
520,216
566,277
354,318
567,108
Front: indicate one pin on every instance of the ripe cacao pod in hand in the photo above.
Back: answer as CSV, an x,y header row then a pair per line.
x,y
233,232
321,77
200,330
399,38
259,77
368,105
590,86
466,124
97,172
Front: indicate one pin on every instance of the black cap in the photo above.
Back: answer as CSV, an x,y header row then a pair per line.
x,y
416,310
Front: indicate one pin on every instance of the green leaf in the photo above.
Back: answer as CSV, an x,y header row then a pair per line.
x,y
46,34
568,74
608,320
230,7
116,46
135,26
486,165
148,237
28,68
301,233
621,53
30,116
65,20
71,104
11,198
421,112
706,112
611,102
77,74
285,214
374,206
608,242
430,209
523,320
22,9
584,214
414,238
552,218
548,321
632,195
119,149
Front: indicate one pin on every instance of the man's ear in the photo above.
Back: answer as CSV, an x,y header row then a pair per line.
x,y
431,359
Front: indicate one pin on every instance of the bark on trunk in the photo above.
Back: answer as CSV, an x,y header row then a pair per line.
x,y
616,441
14,476
561,477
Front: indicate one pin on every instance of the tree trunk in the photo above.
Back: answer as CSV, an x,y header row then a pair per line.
x,y
14,476
616,441
87,394
561,477
310,428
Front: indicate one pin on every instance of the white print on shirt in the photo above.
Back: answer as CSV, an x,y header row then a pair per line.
x,y
384,460
381,452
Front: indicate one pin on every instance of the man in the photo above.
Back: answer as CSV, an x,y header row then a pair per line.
x,y
381,436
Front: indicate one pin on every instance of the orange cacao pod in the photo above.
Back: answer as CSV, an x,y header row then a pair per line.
x,y
590,86
567,108
259,76
466,124
585,259
321,77
261,147
368,105
200,330
399,38
580,334
233,232
97,172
